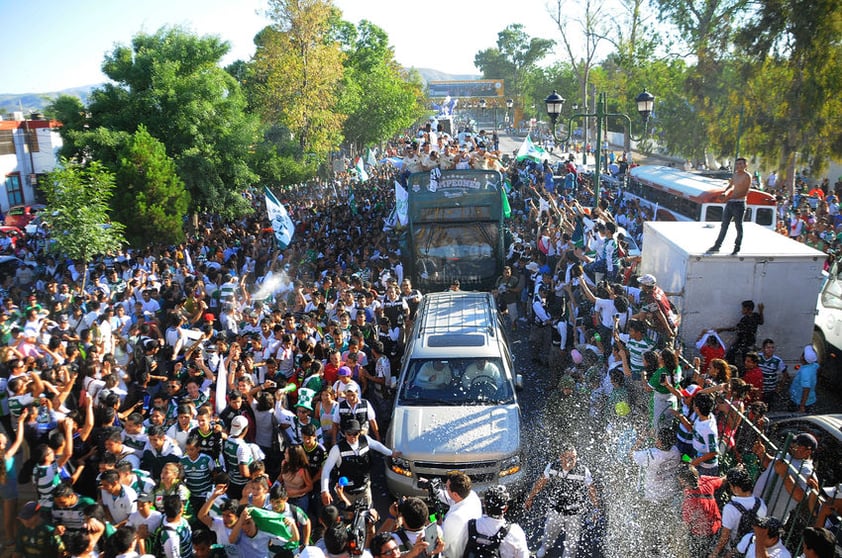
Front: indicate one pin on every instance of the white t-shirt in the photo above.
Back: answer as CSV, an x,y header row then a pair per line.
x,y
661,468
122,505
731,515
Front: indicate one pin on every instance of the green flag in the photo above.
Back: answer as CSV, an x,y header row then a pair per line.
x,y
507,209
529,150
272,523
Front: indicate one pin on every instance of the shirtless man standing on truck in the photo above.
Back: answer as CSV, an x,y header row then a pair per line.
x,y
735,207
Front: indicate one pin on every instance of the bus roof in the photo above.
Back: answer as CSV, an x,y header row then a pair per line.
x,y
696,187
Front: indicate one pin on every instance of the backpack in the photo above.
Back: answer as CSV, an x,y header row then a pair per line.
x,y
159,537
748,518
483,546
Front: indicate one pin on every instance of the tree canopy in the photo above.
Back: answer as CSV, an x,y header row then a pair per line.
x,y
77,211
171,83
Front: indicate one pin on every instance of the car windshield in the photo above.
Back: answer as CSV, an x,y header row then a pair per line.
x,y
460,381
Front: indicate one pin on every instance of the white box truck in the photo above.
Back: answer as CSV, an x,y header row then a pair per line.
x,y
707,289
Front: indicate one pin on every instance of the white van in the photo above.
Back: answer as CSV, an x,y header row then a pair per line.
x,y
456,405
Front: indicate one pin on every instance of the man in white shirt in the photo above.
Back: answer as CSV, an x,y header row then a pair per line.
x,y
119,500
464,506
767,535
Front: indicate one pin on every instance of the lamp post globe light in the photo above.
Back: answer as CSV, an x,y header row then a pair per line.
x,y
645,103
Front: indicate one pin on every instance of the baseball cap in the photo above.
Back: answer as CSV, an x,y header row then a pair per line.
x,y
145,497
345,371
29,510
353,427
810,354
238,426
807,440
647,280
352,387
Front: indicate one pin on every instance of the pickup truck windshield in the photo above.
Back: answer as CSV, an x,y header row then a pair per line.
x,y
467,381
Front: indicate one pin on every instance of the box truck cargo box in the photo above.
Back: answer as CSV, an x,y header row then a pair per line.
x,y
707,289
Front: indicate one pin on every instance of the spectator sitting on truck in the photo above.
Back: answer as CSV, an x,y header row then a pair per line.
x,y
746,330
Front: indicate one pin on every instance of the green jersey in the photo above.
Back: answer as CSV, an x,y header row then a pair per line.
x,y
197,474
236,452
72,518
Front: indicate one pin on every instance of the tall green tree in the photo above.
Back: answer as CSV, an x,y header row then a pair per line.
x,y
78,211
298,73
515,55
172,83
151,200
706,31
379,97
799,42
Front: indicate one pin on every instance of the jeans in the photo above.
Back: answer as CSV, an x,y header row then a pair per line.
x,y
733,210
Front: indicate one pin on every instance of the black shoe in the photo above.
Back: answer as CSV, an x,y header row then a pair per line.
x,y
736,251
712,250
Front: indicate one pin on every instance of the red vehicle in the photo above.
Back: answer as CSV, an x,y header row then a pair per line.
x,y
20,215
677,195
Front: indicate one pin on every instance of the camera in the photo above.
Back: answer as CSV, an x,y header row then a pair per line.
x,y
357,528
432,486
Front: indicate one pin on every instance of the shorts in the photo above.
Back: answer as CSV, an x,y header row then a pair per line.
x,y
9,491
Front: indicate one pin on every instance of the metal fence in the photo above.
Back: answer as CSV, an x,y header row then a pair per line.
x,y
787,495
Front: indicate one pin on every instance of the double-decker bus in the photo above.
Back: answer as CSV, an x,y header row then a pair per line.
x,y
676,195
455,229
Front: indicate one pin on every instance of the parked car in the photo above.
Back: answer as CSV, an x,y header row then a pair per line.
x,y
828,431
20,215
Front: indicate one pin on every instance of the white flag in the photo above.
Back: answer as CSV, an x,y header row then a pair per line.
x,y
278,216
401,204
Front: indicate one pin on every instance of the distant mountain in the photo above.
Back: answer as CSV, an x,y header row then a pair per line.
x,y
35,102
429,75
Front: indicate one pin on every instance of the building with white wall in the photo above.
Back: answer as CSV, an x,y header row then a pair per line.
x,y
28,150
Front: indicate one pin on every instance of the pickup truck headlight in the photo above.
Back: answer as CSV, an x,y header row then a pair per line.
x,y
510,466
400,466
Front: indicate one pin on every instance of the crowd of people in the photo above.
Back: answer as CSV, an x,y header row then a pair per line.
x,y
223,397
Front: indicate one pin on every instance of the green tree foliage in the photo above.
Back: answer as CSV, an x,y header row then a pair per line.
x,y
151,199
795,69
70,111
298,73
378,96
78,213
171,82
515,55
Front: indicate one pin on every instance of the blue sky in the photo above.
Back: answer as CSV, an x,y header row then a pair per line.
x,y
58,44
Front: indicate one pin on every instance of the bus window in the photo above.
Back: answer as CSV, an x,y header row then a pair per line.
x,y
713,213
765,216
747,215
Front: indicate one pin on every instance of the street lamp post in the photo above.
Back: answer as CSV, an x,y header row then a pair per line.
x,y
482,105
509,104
554,101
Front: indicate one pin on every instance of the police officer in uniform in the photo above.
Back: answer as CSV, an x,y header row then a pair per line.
x,y
570,483
394,307
541,336
352,457
353,407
